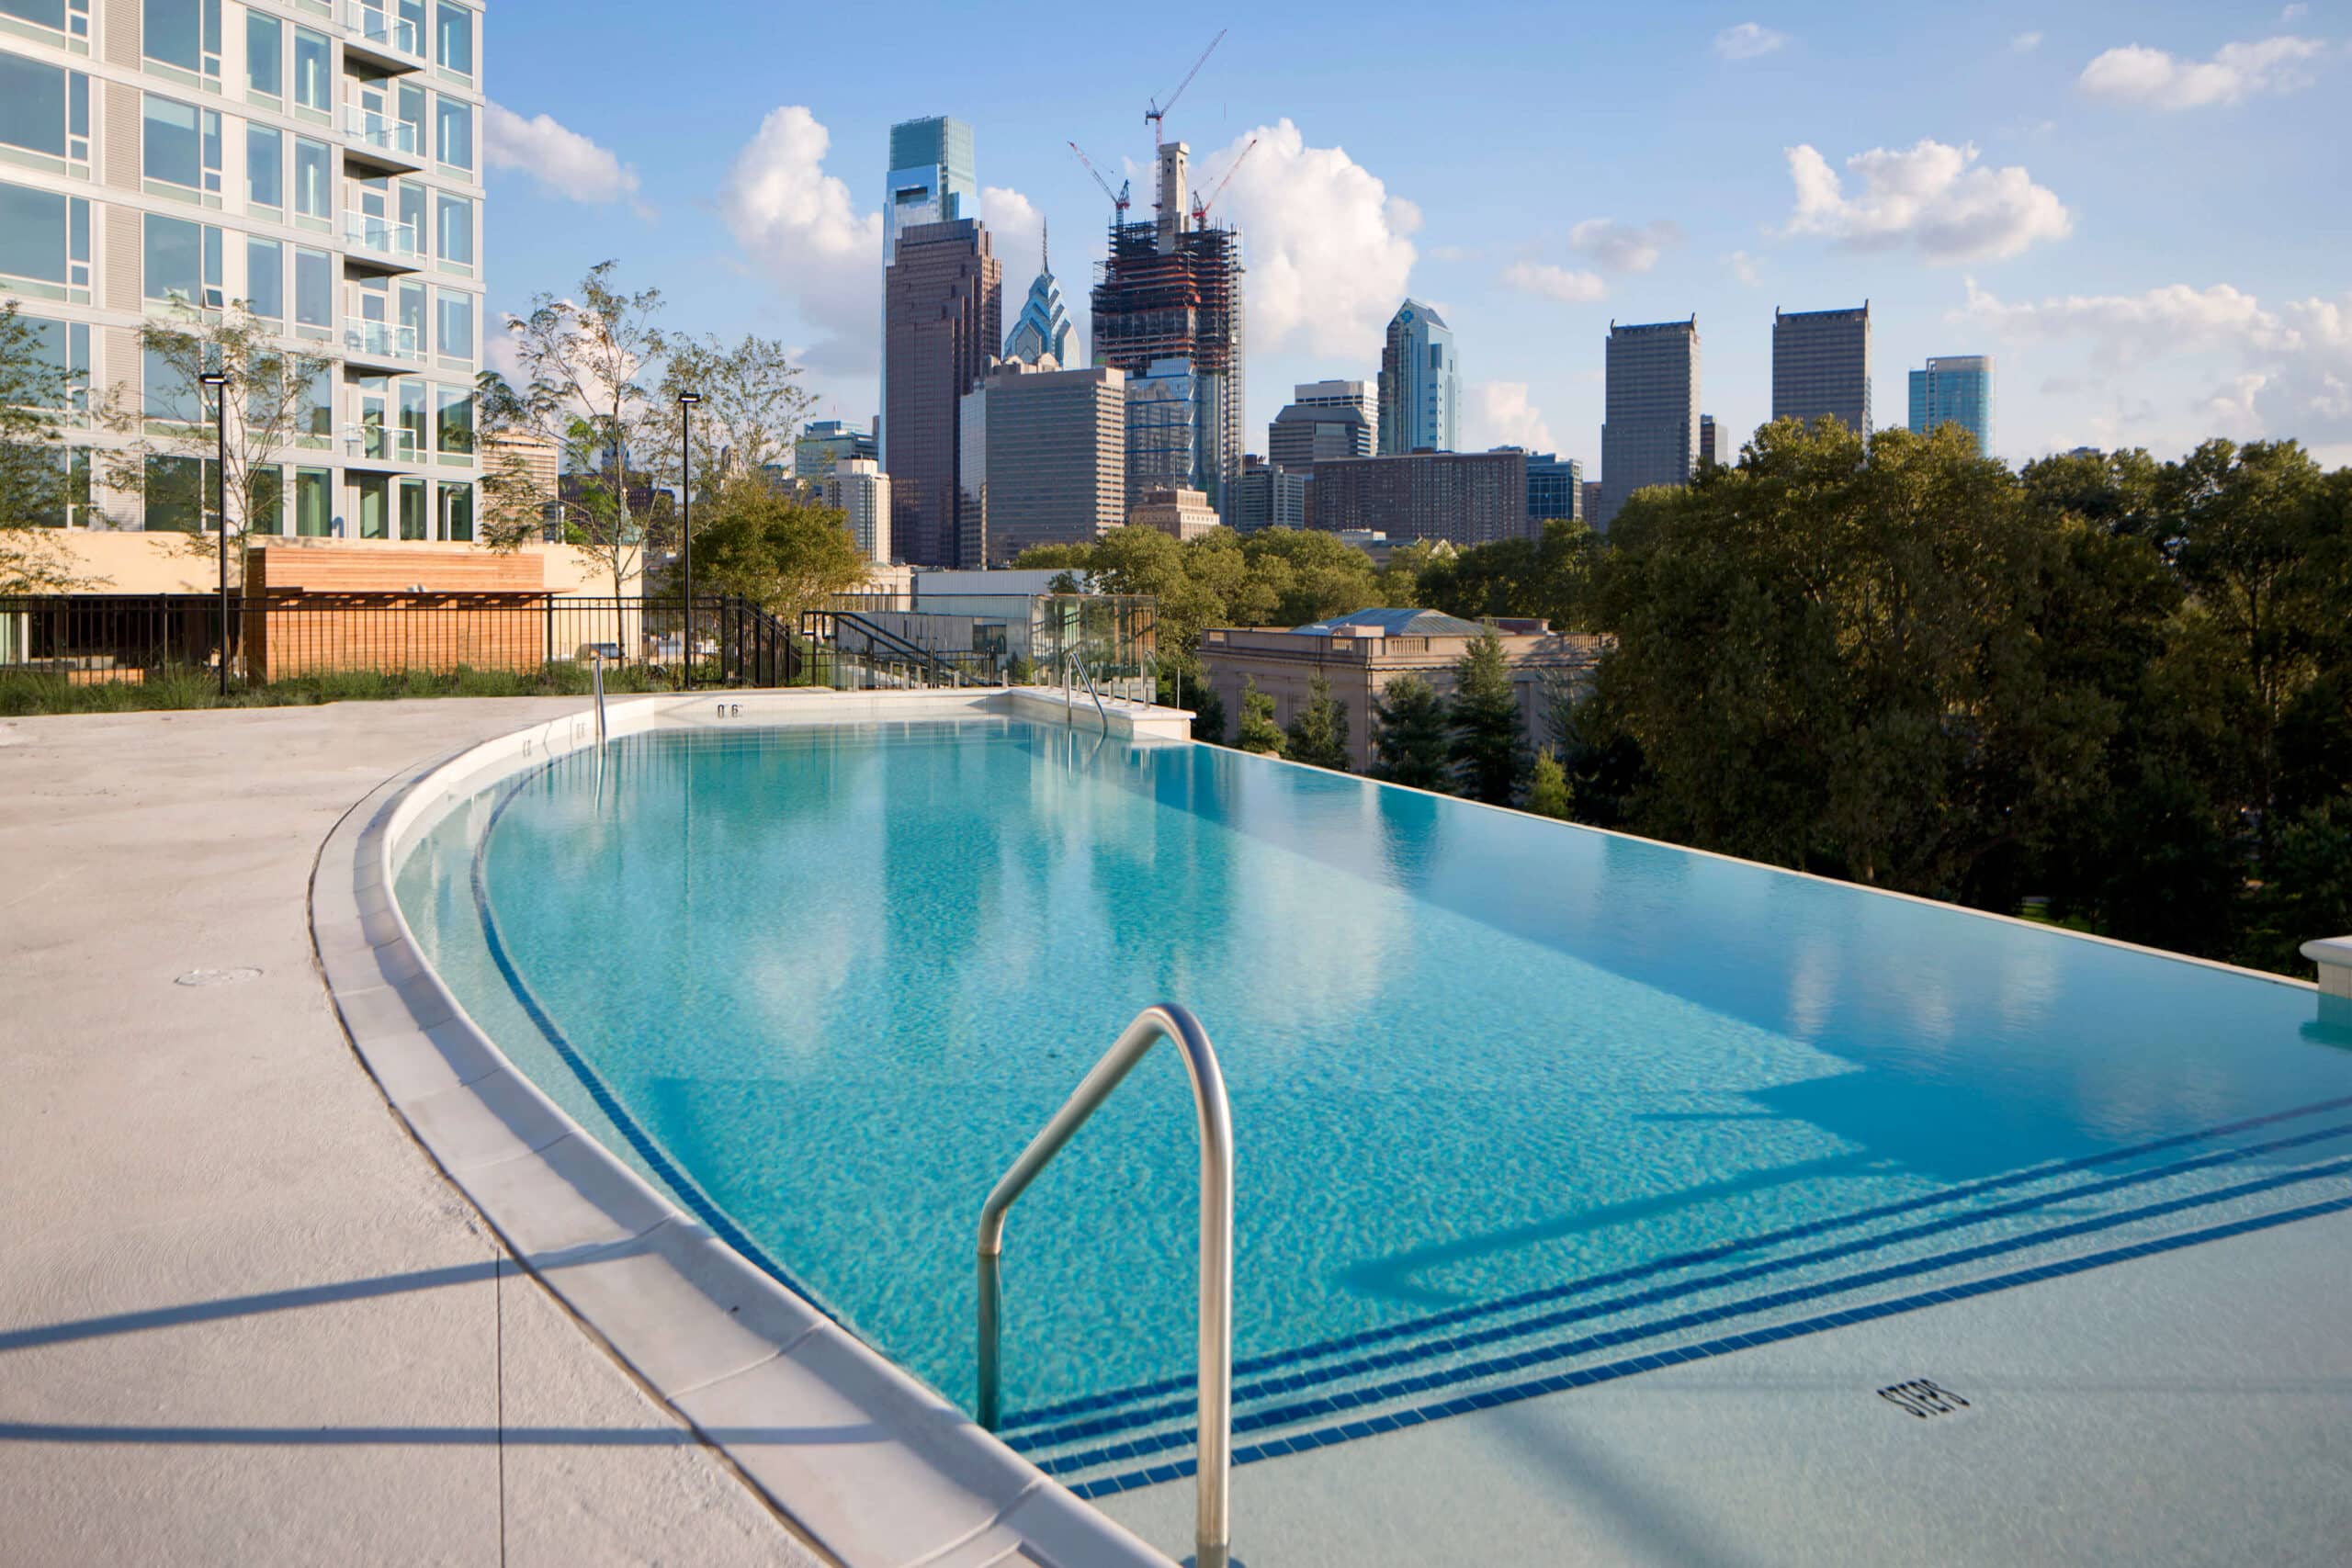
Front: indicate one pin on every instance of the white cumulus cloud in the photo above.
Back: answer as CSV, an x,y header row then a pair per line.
x,y
1329,248
2137,74
1748,40
1743,266
1548,282
797,226
1500,416
1931,196
1623,247
560,160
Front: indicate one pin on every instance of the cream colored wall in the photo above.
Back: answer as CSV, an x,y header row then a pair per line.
x,y
139,563
576,573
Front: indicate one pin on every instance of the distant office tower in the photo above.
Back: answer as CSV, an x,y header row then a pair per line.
x,y
1324,419
825,442
1554,490
1182,514
1469,498
1268,496
1045,330
1955,390
860,488
1650,435
1043,460
932,178
1169,313
1710,439
942,306
1591,500
1420,383
1821,365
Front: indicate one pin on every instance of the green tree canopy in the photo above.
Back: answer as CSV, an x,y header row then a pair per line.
x,y
1489,748
1319,733
773,547
1411,734
1258,732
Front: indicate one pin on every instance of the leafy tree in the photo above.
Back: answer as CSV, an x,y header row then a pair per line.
x,y
39,474
1319,733
1549,578
1259,731
752,399
1489,748
1410,739
773,547
1547,789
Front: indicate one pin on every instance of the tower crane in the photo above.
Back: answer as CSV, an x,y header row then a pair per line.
x,y
1118,197
1158,110
1201,206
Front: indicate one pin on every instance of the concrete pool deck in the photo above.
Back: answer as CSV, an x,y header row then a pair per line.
x,y
242,1318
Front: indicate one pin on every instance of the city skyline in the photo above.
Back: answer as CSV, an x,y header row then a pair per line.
x,y
2040,223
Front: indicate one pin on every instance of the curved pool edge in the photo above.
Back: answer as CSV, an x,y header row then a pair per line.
x,y
868,1463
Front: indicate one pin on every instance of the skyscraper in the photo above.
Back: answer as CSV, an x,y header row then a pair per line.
x,y
862,491
1955,390
1169,313
1044,327
1650,435
1420,383
825,442
1711,447
1591,500
318,164
932,178
1554,490
1043,460
943,307
1324,419
1468,498
1821,365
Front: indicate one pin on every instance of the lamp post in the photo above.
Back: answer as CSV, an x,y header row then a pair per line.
x,y
219,381
687,401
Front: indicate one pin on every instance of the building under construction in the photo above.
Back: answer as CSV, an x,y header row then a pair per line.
x,y
1168,311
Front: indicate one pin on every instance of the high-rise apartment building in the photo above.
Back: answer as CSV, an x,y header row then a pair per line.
x,y
1420,383
1044,331
1043,459
1711,447
1270,496
1168,311
1955,390
823,443
1821,365
1554,490
321,165
1468,498
862,491
1324,419
1650,431
942,307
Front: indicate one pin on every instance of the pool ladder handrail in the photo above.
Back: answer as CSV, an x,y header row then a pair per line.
x,y
1086,676
1166,1021
599,667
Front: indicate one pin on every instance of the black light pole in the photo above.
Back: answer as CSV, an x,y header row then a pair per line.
x,y
687,401
219,381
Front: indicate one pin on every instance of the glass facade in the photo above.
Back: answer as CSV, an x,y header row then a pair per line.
x,y
1955,390
1420,383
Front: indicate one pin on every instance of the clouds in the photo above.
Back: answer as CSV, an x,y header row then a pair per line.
x,y
2025,43
1743,267
1623,247
1329,248
1501,415
798,227
1748,40
1931,197
1546,281
2137,74
560,161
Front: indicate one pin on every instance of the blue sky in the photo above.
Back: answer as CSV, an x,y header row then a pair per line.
x,y
2139,209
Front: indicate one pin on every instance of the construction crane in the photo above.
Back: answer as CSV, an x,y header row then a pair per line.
x,y
1118,197
1158,110
1202,205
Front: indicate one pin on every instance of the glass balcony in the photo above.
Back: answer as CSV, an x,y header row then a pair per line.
x,y
382,133
381,444
379,29
380,339
380,235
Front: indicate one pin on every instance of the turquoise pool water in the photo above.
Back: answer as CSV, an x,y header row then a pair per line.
x,y
1516,1105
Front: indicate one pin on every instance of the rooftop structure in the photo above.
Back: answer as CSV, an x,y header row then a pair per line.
x,y
1420,383
1650,433
1044,330
1324,419
1182,514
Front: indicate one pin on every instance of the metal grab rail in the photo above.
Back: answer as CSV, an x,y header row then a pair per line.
x,y
600,697
1166,1020
1088,676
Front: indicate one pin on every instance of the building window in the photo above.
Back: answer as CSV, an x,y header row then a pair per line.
x,y
415,439
314,502
265,168
455,220
167,396
415,525
182,262
45,241
456,335
265,56
71,18
65,348
373,494
265,498
455,419
184,34
412,115
180,493
44,112
453,39
180,145
313,72
72,508
454,120
313,194
457,511
314,421
411,308
313,293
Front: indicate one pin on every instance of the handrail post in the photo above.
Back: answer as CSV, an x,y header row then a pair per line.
x,y
1213,1522
599,666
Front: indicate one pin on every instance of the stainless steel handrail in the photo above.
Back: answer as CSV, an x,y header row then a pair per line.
x,y
1088,676
600,698
1213,1524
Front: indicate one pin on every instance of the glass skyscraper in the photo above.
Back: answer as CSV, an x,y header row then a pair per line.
x,y
932,177
1955,390
1420,383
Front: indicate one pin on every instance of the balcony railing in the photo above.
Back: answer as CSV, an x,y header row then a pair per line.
x,y
382,443
376,26
380,339
379,234
381,131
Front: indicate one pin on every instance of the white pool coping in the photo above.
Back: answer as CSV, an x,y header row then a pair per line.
x,y
871,1465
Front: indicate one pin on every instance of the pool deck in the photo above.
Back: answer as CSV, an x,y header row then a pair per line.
x,y
244,1318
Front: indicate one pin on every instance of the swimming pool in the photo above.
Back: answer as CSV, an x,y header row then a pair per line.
x,y
1516,1105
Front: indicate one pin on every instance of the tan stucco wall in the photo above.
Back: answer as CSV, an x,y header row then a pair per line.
x,y
133,562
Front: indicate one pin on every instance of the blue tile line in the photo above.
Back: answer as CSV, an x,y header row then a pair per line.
x,y
1352,1399
650,1151
1556,1383
1289,1382
1275,1360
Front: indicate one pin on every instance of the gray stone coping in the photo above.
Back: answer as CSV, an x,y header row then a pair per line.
x,y
869,1464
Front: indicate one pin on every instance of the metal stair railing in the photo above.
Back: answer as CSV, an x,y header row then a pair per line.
x,y
1213,1523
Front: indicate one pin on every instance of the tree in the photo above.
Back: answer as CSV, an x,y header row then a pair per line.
x,y
41,475
277,397
1318,734
1549,578
1489,750
773,547
1409,735
1547,789
752,401
1259,731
